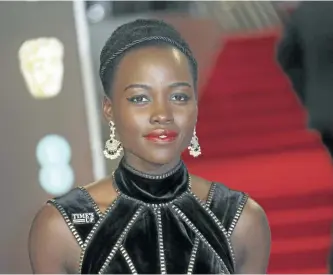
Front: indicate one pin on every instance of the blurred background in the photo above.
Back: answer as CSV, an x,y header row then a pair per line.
x,y
252,127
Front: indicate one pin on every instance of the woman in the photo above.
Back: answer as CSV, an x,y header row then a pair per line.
x,y
150,216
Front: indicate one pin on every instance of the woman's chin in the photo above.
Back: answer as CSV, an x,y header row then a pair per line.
x,y
162,158
155,156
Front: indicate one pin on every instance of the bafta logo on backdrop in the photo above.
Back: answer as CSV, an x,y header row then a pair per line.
x,y
41,65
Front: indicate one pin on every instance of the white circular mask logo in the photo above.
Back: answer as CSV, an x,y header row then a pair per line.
x,y
56,176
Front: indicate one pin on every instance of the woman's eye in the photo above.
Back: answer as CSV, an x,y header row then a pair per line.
x,y
138,99
180,97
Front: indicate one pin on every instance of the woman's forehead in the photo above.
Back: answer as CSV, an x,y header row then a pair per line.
x,y
156,62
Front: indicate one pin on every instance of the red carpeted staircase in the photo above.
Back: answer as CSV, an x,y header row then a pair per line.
x,y
253,135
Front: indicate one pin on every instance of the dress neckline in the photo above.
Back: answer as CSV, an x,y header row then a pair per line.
x,y
151,189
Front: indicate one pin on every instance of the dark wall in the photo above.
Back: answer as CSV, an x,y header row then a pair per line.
x,y
25,120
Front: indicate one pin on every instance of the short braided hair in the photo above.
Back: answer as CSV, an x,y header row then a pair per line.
x,y
140,33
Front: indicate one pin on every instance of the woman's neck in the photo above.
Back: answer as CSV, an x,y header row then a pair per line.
x,y
154,188
149,168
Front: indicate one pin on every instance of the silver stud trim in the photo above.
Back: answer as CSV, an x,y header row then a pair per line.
x,y
193,255
93,231
237,215
197,239
152,205
91,200
128,260
157,212
220,225
68,221
211,195
120,240
200,235
150,176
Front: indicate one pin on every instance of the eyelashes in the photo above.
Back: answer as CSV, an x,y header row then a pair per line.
x,y
139,99
180,97
143,99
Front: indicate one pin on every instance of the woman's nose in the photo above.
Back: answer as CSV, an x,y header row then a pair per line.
x,y
162,114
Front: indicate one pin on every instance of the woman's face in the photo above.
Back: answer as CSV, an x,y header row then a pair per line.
x,y
153,104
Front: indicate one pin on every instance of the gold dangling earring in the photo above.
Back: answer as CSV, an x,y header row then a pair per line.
x,y
194,148
113,147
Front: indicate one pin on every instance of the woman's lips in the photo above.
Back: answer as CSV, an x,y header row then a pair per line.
x,y
161,136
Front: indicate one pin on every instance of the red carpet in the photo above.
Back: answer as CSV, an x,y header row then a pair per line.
x,y
253,135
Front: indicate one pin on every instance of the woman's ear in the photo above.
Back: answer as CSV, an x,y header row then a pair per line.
x,y
107,108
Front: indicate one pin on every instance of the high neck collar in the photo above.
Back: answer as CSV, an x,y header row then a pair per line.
x,y
152,189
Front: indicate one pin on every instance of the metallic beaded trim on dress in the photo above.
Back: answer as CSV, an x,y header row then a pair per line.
x,y
68,221
128,260
87,194
153,177
120,240
93,231
193,255
211,195
197,239
160,240
200,235
220,225
152,205
237,215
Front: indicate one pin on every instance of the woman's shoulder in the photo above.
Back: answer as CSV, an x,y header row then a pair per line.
x,y
96,196
203,188
64,223
49,229
101,193
81,205
244,220
227,204
72,214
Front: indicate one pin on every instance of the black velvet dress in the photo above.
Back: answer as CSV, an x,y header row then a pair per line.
x,y
155,226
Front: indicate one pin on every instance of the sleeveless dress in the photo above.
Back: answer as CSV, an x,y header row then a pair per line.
x,y
154,226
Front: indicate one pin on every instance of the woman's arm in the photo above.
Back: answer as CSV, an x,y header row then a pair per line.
x,y
252,240
51,244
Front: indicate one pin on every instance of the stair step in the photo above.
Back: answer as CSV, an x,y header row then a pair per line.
x,y
247,80
264,68
229,107
248,109
260,44
312,200
216,88
221,145
289,270
230,131
241,126
301,244
279,181
248,57
304,260
295,230
266,33
239,87
310,214
248,95
261,37
233,68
